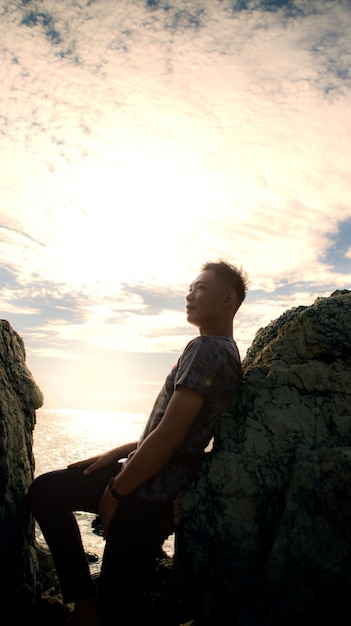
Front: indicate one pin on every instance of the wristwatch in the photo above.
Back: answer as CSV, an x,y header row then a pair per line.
x,y
113,491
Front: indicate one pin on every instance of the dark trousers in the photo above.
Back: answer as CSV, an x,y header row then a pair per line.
x,y
135,538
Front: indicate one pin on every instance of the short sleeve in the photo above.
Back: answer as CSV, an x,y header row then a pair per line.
x,y
200,365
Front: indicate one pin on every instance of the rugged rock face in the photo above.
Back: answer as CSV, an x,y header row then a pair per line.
x,y
19,397
266,531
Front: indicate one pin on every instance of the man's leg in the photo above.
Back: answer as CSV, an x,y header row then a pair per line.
x,y
53,497
135,538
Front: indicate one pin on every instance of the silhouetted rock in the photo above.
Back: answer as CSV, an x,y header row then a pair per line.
x,y
266,533
19,397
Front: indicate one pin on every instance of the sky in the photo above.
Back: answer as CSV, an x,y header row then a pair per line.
x,y
142,138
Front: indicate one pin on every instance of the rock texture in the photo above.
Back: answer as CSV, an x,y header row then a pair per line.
x,y
19,397
266,532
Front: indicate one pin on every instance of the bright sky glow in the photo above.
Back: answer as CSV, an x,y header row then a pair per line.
x,y
139,139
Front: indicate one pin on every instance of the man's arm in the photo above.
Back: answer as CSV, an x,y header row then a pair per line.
x,y
155,451
162,442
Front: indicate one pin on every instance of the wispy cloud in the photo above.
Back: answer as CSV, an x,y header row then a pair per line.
x,y
337,253
139,143
155,299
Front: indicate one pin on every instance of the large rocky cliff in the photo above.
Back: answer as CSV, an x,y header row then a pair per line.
x,y
19,397
266,534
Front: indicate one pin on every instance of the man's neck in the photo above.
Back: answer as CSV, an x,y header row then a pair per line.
x,y
222,330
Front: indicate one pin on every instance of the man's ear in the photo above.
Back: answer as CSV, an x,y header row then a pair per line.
x,y
231,299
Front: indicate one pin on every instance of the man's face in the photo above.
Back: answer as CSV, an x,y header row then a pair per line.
x,y
205,300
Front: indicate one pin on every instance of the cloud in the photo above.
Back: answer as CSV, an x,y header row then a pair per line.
x,y
40,302
139,143
240,132
155,300
8,277
337,253
46,21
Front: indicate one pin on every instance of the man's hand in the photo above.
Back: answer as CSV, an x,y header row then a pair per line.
x,y
101,461
96,462
107,458
85,462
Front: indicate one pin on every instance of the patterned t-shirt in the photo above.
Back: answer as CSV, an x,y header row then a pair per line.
x,y
211,366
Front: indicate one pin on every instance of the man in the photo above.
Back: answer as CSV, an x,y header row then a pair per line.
x,y
135,497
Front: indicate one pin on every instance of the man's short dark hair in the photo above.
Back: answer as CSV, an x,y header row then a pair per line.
x,y
236,278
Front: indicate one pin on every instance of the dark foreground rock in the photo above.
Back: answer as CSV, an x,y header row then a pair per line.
x,y
48,608
266,535
19,397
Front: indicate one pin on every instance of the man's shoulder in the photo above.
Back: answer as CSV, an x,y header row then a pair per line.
x,y
215,344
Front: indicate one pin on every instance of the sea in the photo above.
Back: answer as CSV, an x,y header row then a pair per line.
x,y
63,436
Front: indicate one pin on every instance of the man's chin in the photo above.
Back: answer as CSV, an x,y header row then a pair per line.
x,y
192,319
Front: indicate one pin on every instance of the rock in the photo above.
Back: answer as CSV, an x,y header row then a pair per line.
x,y
19,397
266,531
48,609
